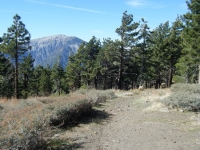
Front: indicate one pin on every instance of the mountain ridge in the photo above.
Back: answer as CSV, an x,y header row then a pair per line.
x,y
48,50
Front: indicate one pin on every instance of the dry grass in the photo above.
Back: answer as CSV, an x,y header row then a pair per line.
x,y
184,96
156,106
30,123
151,94
152,97
10,102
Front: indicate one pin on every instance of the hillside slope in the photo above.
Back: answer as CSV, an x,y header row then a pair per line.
x,y
48,50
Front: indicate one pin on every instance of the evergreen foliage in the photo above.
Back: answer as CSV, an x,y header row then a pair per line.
x,y
6,77
74,69
140,56
26,75
106,64
173,50
142,53
89,67
128,32
189,62
58,78
45,82
15,44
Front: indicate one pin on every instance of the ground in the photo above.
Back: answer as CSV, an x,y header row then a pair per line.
x,y
136,121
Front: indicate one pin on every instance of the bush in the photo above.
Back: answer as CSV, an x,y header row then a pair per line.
x,y
184,96
65,114
69,113
27,124
24,133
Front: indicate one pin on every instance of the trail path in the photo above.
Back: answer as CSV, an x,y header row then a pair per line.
x,y
137,122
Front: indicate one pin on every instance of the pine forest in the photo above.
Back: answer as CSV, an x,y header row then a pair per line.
x,y
140,56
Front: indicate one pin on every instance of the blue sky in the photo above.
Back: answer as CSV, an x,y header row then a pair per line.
x,y
85,18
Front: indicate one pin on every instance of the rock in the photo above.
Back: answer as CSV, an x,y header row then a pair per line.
x,y
164,109
181,110
56,135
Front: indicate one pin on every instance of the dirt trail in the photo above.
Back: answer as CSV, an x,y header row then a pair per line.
x,y
135,122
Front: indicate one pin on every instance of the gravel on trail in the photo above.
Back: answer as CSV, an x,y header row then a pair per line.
x,y
134,122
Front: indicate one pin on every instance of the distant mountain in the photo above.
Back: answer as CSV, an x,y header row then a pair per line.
x,y
48,50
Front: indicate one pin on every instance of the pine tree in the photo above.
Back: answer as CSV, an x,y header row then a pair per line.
x,y
128,37
142,53
45,83
190,35
26,73
173,49
35,84
107,69
6,77
158,47
56,77
41,84
15,44
88,62
74,69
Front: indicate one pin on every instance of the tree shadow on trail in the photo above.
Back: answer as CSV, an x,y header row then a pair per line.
x,y
63,145
94,116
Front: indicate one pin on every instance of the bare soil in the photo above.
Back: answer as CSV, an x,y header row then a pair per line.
x,y
136,121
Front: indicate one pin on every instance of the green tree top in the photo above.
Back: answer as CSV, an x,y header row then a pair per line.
x,y
191,38
15,44
16,40
128,29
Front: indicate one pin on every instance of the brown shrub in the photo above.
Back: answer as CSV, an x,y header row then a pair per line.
x,y
27,124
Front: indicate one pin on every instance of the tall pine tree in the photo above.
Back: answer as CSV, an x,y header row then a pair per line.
x,y
6,77
158,47
142,53
128,37
74,69
15,44
26,74
191,38
56,77
173,49
88,62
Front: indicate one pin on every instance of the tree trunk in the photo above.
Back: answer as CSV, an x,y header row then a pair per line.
x,y
79,80
111,82
59,86
159,83
120,75
95,82
199,75
170,76
104,83
25,85
132,81
88,84
156,86
16,96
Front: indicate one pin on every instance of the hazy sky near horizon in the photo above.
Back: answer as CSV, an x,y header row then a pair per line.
x,y
85,18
